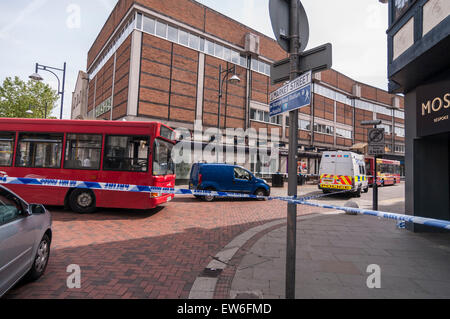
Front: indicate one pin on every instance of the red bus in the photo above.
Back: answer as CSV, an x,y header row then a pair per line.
x,y
388,171
132,153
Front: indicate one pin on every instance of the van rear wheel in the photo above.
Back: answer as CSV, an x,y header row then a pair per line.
x,y
209,198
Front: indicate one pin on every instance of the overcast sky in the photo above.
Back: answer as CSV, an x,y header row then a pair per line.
x,y
52,32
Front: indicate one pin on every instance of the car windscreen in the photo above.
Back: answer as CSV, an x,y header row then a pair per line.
x,y
162,158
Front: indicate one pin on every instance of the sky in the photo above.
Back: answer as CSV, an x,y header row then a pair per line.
x,y
51,32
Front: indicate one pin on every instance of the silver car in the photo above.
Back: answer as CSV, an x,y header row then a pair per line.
x,y
25,237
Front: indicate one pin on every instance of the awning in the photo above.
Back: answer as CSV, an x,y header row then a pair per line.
x,y
359,146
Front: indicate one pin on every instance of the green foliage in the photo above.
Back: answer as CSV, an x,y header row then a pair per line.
x,y
17,97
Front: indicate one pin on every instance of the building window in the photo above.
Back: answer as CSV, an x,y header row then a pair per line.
x,y
39,150
184,38
126,153
149,25
399,148
194,42
218,50
263,116
209,47
6,148
399,114
83,151
343,133
323,129
172,34
303,125
243,61
139,21
227,54
399,131
161,29
235,57
387,128
326,92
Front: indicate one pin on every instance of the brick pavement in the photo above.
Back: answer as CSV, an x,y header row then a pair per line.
x,y
144,254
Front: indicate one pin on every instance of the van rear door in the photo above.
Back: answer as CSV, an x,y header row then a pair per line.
x,y
193,180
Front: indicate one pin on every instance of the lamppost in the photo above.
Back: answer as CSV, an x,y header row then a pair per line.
x,y
30,111
36,76
234,79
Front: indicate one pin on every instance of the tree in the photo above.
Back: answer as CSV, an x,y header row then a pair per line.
x,y
17,97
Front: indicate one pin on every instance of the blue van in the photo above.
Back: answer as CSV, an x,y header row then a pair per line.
x,y
226,178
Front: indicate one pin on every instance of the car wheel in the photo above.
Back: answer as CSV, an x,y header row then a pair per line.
x,y
82,201
260,192
366,189
40,260
358,192
209,198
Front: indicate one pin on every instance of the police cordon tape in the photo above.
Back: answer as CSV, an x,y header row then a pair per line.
x,y
398,217
163,190
7,180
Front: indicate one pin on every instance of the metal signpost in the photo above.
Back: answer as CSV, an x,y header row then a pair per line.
x,y
376,147
291,28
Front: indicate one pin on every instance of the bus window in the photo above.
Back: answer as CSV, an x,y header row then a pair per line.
x,y
126,153
83,151
6,148
39,150
162,158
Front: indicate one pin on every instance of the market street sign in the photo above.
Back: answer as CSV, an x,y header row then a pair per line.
x,y
317,59
294,95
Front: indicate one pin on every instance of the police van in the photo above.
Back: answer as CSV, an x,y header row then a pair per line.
x,y
341,170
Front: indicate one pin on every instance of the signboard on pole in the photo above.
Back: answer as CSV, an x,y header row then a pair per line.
x,y
294,95
376,141
316,59
280,17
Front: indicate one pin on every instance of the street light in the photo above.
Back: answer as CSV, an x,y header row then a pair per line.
x,y
37,77
234,79
30,111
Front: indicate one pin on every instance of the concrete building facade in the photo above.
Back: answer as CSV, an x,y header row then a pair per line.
x,y
79,97
159,60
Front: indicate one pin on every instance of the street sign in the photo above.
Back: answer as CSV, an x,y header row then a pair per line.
x,y
376,136
317,59
376,150
280,16
376,140
294,95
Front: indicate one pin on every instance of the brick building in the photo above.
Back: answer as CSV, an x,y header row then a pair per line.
x,y
159,60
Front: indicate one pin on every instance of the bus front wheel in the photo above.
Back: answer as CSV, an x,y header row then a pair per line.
x,y
82,201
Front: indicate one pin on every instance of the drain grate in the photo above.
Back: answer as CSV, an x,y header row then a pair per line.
x,y
211,272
